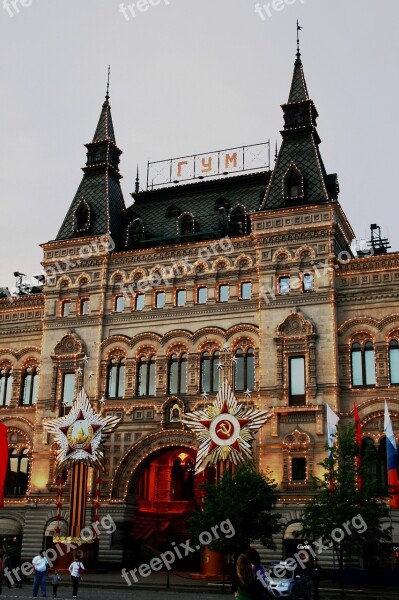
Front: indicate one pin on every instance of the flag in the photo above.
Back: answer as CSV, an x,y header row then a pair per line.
x,y
392,460
3,461
332,420
359,446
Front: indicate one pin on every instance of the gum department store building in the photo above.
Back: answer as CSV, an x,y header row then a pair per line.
x,y
141,306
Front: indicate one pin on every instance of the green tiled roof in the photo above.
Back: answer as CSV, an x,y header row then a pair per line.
x,y
299,90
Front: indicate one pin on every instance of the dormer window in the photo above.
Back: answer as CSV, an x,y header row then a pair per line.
x,y
82,217
293,183
186,224
135,232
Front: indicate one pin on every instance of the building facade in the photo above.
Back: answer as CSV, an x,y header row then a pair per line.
x,y
251,278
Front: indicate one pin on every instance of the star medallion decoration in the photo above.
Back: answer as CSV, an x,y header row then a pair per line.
x,y
224,429
81,433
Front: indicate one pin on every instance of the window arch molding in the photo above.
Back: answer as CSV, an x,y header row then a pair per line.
x,y
296,360
298,447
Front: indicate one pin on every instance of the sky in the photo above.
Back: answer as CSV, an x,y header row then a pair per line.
x,y
188,76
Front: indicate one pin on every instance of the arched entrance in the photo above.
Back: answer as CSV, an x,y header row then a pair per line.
x,y
167,494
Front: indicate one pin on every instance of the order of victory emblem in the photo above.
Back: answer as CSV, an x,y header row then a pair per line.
x,y
224,429
81,432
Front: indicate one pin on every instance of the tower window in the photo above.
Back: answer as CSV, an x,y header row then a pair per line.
x,y
180,297
84,306
65,308
307,282
246,290
297,380
298,469
202,295
119,304
224,293
159,299
139,302
284,285
68,389
186,224
82,217
293,183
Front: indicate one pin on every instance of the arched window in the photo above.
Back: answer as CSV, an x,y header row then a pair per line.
x,y
363,364
293,184
18,473
394,361
238,221
145,380
82,217
177,377
116,378
186,224
244,370
30,386
209,372
5,386
135,232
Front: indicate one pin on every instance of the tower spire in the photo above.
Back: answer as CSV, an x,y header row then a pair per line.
x,y
137,187
109,73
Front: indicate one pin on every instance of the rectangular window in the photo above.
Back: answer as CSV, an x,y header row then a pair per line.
x,y
68,389
223,293
297,379
119,304
202,295
66,305
180,297
139,303
308,282
160,299
84,306
284,285
246,290
298,469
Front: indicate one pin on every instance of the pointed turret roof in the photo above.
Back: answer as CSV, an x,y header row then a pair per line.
x,y
299,90
98,204
105,127
299,165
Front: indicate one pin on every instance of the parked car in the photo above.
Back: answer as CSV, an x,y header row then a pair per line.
x,y
293,584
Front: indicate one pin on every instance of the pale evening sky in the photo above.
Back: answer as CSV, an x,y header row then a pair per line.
x,y
188,76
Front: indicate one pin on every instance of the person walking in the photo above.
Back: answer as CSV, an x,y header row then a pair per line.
x,y
245,585
40,564
75,568
55,579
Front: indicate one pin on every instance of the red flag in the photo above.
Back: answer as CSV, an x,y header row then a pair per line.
x,y
3,461
359,446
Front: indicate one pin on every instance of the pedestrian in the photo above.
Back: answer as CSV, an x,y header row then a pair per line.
x,y
245,584
258,569
55,579
40,564
76,569
316,578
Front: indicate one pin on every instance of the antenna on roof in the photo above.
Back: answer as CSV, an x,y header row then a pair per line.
x,y
298,29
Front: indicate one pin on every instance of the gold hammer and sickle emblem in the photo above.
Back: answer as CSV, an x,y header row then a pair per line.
x,y
225,428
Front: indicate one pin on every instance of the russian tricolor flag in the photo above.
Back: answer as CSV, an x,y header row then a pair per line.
x,y
392,459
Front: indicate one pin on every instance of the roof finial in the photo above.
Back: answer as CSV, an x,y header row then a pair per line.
x,y
137,188
298,29
109,73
